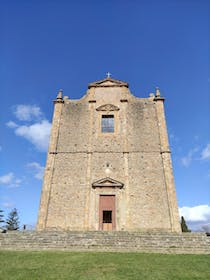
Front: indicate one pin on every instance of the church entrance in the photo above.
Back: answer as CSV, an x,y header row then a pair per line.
x,y
107,212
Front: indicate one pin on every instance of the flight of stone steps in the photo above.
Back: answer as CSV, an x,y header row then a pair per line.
x,y
106,241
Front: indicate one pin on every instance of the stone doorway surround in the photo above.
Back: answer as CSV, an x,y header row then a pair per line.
x,y
107,203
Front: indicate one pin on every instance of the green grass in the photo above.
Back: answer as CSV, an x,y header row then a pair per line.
x,y
100,266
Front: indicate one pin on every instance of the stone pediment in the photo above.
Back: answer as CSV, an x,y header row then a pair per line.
x,y
108,82
107,182
107,107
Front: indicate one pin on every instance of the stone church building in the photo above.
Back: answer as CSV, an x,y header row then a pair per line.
x,y
109,163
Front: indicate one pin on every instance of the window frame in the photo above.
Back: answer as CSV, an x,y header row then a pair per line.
x,y
107,123
107,109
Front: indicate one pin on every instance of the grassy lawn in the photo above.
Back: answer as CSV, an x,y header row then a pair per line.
x,y
100,266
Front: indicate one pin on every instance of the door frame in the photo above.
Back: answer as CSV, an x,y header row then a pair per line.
x,y
107,202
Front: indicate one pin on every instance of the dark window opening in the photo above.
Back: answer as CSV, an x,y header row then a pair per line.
x,y
107,217
107,123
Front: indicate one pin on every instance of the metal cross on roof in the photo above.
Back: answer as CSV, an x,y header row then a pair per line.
x,y
108,74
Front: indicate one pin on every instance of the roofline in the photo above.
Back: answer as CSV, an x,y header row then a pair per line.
x,y
118,83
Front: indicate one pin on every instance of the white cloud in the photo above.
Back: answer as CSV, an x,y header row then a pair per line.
x,y
199,213
11,124
173,137
186,161
38,170
8,204
7,178
16,183
38,134
10,180
205,154
27,112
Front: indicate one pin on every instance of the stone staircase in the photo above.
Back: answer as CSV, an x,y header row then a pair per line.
x,y
189,243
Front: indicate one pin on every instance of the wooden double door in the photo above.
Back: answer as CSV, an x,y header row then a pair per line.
x,y
107,212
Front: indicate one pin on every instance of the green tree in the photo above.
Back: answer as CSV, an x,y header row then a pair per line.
x,y
1,217
184,225
12,222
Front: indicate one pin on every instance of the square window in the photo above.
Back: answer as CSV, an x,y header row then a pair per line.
x,y
107,217
107,123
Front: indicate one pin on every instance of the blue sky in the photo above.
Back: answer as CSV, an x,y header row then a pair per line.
x,y
48,45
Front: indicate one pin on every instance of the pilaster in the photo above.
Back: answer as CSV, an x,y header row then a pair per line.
x,y
167,163
52,151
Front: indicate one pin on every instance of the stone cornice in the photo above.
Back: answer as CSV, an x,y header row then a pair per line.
x,y
108,82
107,182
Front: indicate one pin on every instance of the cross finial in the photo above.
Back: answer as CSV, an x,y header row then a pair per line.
x,y
108,74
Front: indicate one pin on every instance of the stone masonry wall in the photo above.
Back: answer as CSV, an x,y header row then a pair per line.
x,y
131,155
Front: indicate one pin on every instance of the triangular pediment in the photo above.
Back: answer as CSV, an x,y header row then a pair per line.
x,y
108,82
107,107
107,182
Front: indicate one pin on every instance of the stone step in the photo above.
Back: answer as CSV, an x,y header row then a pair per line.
x,y
106,241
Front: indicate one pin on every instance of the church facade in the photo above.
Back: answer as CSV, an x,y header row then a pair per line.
x,y
109,163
